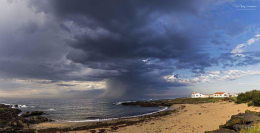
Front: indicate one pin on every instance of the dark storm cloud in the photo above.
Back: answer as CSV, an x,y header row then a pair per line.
x,y
120,34
65,85
128,37
131,45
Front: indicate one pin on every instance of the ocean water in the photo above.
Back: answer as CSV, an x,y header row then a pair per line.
x,y
81,110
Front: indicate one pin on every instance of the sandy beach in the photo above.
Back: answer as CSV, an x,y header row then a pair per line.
x,y
196,118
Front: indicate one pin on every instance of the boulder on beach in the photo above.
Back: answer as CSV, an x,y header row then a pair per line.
x,y
33,113
38,119
238,122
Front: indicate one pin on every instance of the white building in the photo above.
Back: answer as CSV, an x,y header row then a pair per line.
x,y
235,95
221,94
198,95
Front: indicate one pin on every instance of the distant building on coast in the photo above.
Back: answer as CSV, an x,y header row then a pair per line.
x,y
198,95
221,94
217,94
235,95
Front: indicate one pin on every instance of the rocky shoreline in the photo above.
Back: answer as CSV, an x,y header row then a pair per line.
x,y
170,102
11,122
112,125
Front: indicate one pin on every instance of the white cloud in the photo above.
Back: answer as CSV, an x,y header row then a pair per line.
x,y
235,74
39,88
213,76
192,81
258,35
241,47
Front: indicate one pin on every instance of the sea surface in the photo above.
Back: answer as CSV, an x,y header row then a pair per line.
x,y
81,110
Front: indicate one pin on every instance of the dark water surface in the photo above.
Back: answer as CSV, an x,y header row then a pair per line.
x,y
79,109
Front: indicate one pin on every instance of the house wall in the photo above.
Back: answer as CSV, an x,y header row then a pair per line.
x,y
221,95
234,95
198,95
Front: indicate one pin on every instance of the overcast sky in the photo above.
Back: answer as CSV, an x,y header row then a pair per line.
x,y
128,49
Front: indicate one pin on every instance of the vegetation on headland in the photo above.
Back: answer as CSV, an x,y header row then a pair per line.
x,y
170,102
250,97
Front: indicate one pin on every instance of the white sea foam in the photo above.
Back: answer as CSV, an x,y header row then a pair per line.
x,y
119,103
51,109
18,105
22,106
20,114
95,120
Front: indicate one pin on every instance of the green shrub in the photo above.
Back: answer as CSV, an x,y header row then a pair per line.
x,y
250,97
242,98
256,100
228,99
255,129
250,104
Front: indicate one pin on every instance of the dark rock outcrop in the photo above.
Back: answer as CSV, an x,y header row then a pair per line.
x,y
33,113
9,119
10,122
222,131
38,119
240,121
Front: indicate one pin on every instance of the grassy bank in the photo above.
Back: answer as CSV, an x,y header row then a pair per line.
x,y
170,102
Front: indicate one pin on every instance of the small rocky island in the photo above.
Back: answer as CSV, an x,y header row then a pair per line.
x,y
11,122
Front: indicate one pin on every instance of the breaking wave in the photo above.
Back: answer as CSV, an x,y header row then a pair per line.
x,y
119,103
18,105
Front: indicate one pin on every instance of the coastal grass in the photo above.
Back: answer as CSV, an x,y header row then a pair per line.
x,y
252,98
186,100
255,129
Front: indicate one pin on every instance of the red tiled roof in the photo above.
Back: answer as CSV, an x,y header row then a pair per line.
x,y
219,93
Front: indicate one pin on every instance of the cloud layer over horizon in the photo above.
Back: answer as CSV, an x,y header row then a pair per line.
x,y
104,49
